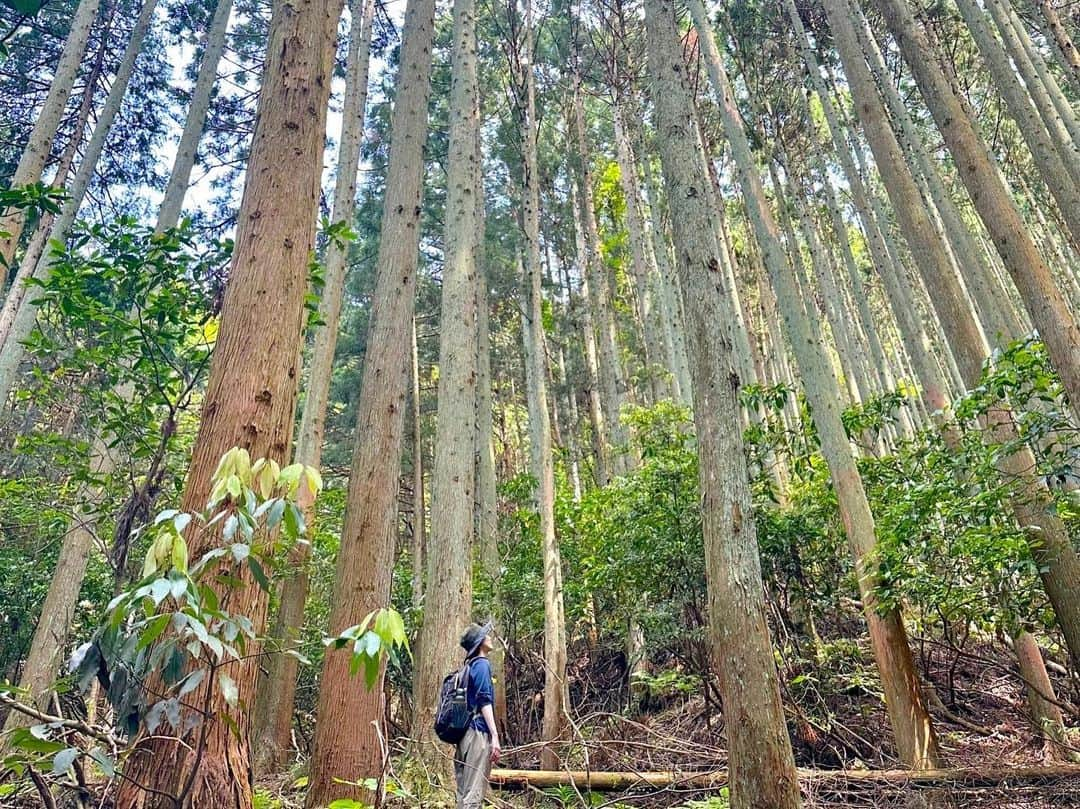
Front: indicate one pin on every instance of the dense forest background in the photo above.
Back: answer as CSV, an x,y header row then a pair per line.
x,y
726,355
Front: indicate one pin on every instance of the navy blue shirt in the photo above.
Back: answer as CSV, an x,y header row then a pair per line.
x,y
480,692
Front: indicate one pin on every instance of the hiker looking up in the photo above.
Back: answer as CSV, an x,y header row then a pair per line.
x,y
479,748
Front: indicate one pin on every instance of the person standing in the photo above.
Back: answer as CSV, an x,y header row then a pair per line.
x,y
479,748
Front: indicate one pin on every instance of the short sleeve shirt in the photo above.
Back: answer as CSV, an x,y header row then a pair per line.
x,y
481,691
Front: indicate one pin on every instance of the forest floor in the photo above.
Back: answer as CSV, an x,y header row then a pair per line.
x,y
838,724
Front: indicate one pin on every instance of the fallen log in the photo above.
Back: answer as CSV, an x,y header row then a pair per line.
x,y
619,781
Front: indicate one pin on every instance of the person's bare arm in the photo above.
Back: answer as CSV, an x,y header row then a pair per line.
x,y
488,713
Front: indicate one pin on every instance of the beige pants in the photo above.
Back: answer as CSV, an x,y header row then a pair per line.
x,y
472,765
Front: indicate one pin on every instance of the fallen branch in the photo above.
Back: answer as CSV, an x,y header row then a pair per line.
x,y
612,781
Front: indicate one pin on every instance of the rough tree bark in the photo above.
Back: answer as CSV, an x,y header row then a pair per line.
x,y
448,589
347,731
1032,508
1031,274
556,696
251,394
277,689
915,738
759,747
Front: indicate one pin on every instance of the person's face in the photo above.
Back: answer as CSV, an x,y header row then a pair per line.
x,y
487,644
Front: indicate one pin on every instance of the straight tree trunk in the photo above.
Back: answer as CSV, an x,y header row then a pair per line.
x,y
1045,714
36,152
674,333
596,407
1050,544
1042,298
1057,111
556,695
914,732
487,522
21,312
1061,37
612,384
277,689
251,394
448,590
38,240
1049,162
419,537
187,149
642,261
759,748
347,744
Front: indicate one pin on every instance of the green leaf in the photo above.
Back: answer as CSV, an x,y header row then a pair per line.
x,y
154,630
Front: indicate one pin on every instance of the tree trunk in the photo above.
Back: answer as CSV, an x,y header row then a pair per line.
x,y
187,149
251,394
1043,300
487,515
21,313
642,261
599,300
36,152
972,262
448,590
915,738
1049,162
759,747
39,239
419,537
1058,113
1061,37
1033,510
674,333
596,407
347,745
1045,714
556,696
277,690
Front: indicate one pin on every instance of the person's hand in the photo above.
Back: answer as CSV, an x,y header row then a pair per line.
x,y
496,751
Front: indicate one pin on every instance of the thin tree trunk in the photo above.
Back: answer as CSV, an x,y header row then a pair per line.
x,y
1045,714
1058,114
39,239
1060,34
759,747
277,690
419,537
251,394
556,695
1049,162
596,406
349,718
915,737
972,262
187,149
448,590
23,313
1045,303
642,261
36,152
612,384
1032,508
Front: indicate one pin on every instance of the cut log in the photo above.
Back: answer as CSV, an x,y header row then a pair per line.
x,y
613,781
